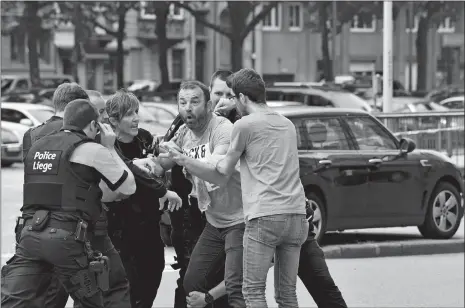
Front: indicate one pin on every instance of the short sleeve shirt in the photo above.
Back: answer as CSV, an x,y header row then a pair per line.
x,y
225,209
270,172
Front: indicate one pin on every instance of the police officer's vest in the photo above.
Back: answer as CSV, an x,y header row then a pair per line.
x,y
52,182
51,126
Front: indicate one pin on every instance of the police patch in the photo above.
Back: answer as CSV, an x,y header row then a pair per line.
x,y
44,162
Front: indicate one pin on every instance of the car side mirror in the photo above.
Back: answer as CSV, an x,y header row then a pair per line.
x,y
26,122
407,145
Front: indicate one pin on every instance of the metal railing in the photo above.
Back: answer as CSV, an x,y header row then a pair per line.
x,y
440,131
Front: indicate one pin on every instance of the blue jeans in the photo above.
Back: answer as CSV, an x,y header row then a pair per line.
x,y
215,249
281,237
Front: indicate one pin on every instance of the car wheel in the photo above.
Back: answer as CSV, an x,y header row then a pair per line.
x,y
6,164
165,233
444,213
319,215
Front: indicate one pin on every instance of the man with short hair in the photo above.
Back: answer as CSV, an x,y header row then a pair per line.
x,y
62,200
272,194
64,94
188,223
56,295
206,135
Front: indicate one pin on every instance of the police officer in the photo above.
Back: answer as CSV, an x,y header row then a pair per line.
x,y
61,202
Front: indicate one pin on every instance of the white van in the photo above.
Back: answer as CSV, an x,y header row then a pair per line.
x,y
15,83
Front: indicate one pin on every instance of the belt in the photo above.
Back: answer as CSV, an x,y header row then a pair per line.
x,y
70,226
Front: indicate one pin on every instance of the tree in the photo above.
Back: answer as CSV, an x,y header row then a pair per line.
x,y
241,23
321,20
430,15
103,15
28,18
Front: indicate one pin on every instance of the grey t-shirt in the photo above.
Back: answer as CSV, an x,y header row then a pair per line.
x,y
225,208
269,165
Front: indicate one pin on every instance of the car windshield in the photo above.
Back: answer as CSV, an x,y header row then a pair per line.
x,y
145,116
6,83
349,100
41,115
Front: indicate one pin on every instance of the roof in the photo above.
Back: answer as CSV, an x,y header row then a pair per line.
x,y
275,104
24,106
453,98
294,111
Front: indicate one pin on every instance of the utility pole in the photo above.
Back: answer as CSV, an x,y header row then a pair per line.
x,y
333,34
387,55
411,25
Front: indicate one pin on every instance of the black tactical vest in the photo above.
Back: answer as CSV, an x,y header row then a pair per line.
x,y
52,125
52,182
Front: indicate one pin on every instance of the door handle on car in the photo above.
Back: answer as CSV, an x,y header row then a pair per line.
x,y
325,162
375,161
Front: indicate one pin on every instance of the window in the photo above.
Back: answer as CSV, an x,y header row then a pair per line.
x,y
447,25
294,97
273,20
176,12
363,22
295,17
22,84
370,135
319,101
411,25
147,11
320,134
43,46
177,64
18,47
12,115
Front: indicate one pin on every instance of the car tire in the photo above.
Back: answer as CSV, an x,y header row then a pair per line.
x,y
319,216
165,233
436,224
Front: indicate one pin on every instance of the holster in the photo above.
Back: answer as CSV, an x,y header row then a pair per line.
x,y
101,268
40,220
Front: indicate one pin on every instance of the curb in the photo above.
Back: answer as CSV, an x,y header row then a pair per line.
x,y
410,248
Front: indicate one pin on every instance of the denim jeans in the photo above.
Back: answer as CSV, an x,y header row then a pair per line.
x,y
217,248
281,237
315,275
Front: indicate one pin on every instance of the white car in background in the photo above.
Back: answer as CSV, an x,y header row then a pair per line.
x,y
453,103
30,115
12,142
164,113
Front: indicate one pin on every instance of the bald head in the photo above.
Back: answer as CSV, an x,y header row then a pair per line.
x,y
66,93
96,99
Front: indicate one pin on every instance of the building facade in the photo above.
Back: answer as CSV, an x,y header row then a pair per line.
x,y
283,46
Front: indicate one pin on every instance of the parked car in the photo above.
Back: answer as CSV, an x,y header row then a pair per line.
x,y
319,96
13,83
148,122
453,103
42,96
357,174
12,142
442,93
164,113
30,115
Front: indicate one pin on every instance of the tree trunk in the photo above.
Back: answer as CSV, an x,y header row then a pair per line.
x,y
236,54
33,26
327,66
163,45
77,49
421,44
119,49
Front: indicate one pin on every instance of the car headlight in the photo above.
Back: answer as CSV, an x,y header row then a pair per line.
x,y
9,137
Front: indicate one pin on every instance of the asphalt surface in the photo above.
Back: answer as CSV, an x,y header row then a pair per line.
x,y
416,281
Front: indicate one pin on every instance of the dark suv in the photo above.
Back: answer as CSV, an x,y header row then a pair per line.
x,y
357,175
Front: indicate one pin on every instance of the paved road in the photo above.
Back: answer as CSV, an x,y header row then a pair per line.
x,y
11,184
417,281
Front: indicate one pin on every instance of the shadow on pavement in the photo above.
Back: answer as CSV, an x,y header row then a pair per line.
x,y
355,238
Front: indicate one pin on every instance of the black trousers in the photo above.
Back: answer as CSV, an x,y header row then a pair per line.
x,y
128,227
187,225
316,277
